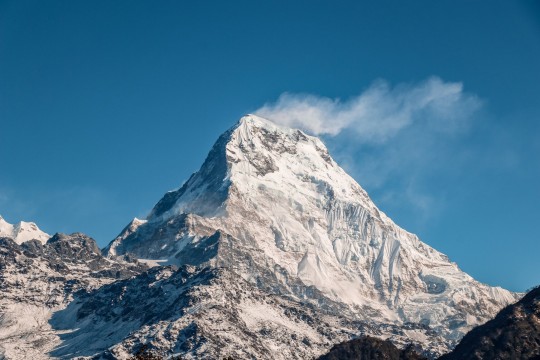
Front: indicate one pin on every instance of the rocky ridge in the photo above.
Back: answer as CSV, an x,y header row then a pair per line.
x,y
37,279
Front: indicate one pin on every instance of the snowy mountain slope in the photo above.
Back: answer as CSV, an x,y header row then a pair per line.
x,y
38,279
271,205
22,231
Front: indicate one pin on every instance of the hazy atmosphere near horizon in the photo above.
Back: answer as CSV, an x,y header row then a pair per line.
x,y
432,106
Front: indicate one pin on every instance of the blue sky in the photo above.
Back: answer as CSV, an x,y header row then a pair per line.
x,y
104,106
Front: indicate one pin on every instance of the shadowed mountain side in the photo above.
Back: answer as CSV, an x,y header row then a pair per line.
x,y
513,334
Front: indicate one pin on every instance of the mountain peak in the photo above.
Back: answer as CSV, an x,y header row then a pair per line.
x,y
256,121
255,147
270,204
251,124
22,231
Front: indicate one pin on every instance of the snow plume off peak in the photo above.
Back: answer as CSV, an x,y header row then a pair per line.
x,y
378,113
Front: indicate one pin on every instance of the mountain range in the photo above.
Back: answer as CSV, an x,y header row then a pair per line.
x,y
269,251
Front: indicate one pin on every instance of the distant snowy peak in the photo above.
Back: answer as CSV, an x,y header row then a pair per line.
x,y
22,231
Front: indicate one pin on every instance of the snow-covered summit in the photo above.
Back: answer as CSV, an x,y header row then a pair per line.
x,y
22,231
257,151
270,204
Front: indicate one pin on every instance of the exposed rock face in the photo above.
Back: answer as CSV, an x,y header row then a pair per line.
x,y
513,334
37,279
271,206
369,348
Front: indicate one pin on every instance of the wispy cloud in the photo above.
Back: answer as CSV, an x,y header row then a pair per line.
x,y
379,113
402,142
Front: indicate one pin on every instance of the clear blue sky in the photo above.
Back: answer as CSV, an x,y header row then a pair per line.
x,y
105,105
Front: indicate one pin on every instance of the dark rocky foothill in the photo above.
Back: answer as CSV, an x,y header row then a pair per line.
x,y
513,334
370,348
